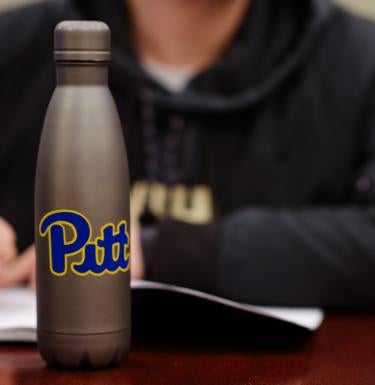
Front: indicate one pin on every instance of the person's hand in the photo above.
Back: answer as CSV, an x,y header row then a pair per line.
x,y
14,269
137,264
8,247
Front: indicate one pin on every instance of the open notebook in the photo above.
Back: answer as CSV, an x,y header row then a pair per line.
x,y
163,304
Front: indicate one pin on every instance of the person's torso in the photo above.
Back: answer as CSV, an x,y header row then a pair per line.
x,y
298,146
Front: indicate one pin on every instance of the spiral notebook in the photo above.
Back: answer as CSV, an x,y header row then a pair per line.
x,y
158,306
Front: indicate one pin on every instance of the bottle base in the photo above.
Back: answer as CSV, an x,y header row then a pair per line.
x,y
74,351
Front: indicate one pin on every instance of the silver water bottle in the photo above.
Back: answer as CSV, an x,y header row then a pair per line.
x,y
82,209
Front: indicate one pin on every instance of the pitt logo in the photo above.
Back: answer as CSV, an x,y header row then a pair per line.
x,y
109,253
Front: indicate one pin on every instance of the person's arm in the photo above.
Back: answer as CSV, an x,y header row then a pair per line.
x,y
321,256
310,257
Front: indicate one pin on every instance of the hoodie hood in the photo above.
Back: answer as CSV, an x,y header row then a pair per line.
x,y
273,41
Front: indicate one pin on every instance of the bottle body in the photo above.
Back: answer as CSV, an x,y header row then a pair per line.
x,y
82,224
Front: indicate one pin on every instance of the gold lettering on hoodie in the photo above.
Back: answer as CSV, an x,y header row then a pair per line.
x,y
191,204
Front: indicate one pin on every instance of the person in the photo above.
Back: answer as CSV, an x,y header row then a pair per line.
x,y
250,128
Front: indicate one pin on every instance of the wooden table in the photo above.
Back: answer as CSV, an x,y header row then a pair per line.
x,y
342,352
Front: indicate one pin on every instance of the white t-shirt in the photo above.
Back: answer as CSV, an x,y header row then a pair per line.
x,y
174,79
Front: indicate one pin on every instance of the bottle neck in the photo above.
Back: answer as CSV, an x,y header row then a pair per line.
x,y
81,73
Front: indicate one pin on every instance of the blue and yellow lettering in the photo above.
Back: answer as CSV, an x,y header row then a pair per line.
x,y
109,253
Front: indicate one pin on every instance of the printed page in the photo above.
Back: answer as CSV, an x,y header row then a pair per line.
x,y
18,310
17,315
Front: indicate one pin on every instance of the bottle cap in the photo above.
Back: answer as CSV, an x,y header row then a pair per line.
x,y
82,41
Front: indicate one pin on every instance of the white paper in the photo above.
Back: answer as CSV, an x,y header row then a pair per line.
x,y
18,310
17,315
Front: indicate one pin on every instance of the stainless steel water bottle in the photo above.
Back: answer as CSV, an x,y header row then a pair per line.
x,y
82,209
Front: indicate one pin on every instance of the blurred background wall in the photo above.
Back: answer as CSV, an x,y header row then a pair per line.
x,y
363,7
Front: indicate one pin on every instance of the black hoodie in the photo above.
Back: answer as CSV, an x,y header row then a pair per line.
x,y
280,131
